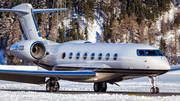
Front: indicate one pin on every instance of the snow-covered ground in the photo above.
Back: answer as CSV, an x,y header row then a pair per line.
x,y
169,82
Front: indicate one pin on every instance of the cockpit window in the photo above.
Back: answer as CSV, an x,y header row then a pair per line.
x,y
141,52
159,52
149,53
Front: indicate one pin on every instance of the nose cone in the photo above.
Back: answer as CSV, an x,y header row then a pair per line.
x,y
164,64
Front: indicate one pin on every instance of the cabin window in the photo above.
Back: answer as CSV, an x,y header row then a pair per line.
x,y
70,55
77,55
100,56
107,56
85,56
115,56
63,55
92,56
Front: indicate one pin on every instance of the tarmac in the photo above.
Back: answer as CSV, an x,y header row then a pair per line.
x,y
145,94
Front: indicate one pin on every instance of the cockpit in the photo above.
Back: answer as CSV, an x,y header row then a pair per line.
x,y
146,52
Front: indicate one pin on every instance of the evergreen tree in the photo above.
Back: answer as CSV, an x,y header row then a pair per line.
x,y
163,28
61,36
86,33
123,11
163,46
115,30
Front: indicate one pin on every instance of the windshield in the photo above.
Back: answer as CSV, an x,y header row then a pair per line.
x,y
144,52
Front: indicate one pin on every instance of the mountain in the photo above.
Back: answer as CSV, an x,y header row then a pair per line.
x,y
153,22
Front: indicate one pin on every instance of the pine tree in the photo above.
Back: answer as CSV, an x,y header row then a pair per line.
x,y
141,33
115,30
133,28
42,26
61,36
163,28
54,30
163,46
175,43
86,33
123,11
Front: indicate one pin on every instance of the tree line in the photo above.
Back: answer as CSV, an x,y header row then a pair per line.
x,y
125,21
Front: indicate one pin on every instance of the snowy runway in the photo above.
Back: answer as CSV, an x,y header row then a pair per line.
x,y
20,91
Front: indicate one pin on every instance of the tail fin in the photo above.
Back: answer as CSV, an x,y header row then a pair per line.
x,y
25,13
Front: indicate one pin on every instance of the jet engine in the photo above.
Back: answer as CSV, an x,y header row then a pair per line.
x,y
29,50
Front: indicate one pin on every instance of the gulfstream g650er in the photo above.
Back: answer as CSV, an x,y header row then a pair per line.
x,y
80,61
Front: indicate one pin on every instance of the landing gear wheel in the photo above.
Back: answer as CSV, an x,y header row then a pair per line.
x,y
56,87
154,90
52,85
103,87
100,87
48,87
97,87
157,90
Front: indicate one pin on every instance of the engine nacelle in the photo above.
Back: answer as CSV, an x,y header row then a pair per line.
x,y
29,50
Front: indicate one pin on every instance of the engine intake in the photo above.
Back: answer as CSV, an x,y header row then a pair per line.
x,y
29,50
38,50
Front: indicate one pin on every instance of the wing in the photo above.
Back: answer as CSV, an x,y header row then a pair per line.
x,y
175,67
38,77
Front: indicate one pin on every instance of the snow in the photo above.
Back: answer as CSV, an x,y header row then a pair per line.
x,y
94,30
169,82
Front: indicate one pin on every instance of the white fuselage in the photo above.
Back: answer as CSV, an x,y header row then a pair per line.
x,y
78,56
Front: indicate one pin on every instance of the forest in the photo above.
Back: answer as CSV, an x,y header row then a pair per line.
x,y
124,21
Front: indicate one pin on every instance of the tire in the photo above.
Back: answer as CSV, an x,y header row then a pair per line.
x,y
156,90
152,90
56,89
47,87
103,87
97,87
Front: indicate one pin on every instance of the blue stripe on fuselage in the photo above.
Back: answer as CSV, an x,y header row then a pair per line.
x,y
174,69
48,72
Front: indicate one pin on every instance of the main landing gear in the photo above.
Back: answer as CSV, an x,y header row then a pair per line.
x,y
52,85
100,86
154,89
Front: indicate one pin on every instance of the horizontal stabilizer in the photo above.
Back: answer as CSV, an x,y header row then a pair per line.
x,y
14,10
48,10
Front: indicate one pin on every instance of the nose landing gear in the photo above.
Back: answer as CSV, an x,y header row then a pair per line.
x,y
100,86
52,85
154,89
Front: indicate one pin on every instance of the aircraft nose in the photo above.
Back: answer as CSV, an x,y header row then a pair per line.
x,y
165,64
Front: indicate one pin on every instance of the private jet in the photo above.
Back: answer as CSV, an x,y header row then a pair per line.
x,y
80,60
